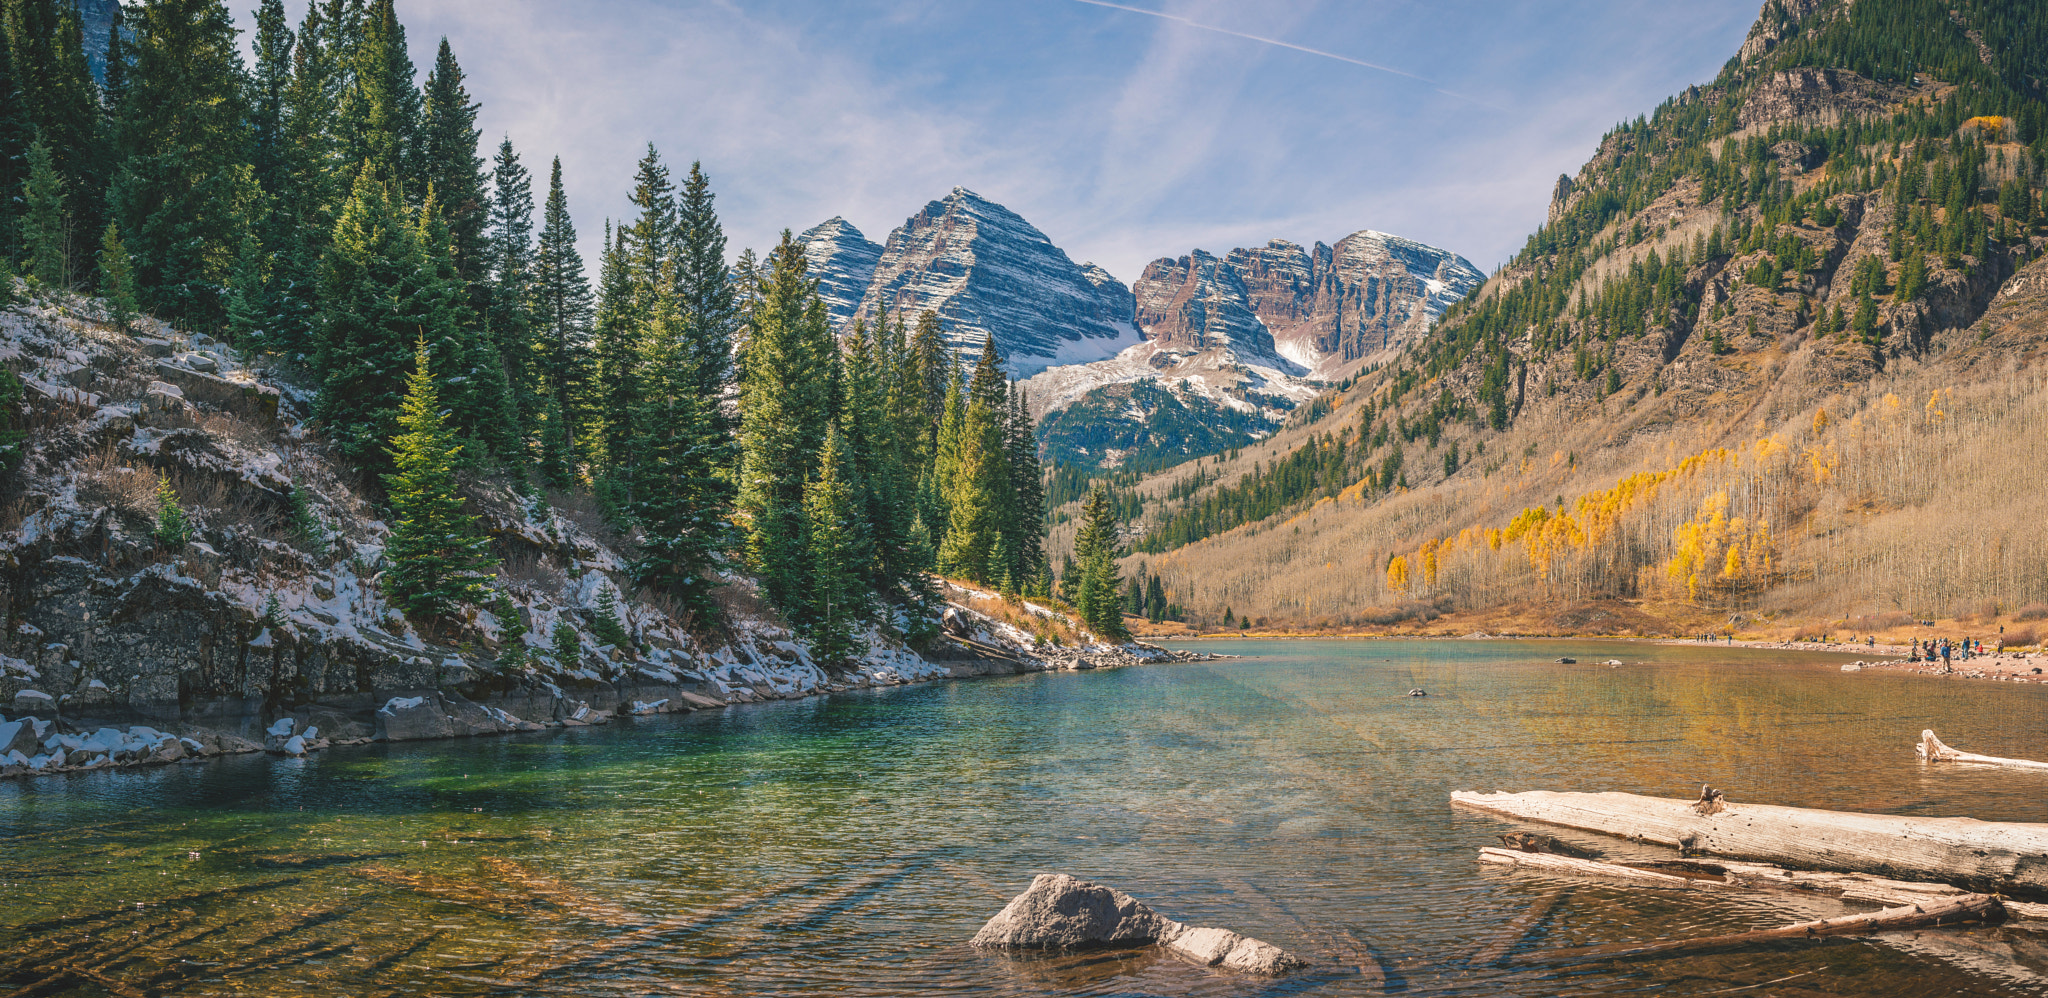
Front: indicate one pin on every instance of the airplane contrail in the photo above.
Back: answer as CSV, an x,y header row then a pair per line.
x,y
1177,19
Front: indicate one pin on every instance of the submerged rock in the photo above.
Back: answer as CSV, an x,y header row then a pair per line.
x,y
1063,912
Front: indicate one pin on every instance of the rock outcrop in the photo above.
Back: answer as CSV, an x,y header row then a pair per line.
x,y
1061,912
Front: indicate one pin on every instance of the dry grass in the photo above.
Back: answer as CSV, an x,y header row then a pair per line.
x,y
1058,627
1891,503
1871,623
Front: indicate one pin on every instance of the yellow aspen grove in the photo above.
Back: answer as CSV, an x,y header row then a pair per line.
x,y
1397,575
1428,559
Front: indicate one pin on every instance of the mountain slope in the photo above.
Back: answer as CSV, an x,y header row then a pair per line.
x,y
1737,372
986,272
843,261
1235,343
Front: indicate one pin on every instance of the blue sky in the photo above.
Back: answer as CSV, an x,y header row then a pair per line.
x,y
1124,136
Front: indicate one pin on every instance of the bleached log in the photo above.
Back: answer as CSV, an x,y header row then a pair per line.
x,y
1968,908
1573,866
1994,857
1932,750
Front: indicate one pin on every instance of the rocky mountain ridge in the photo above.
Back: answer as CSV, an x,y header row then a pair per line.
x,y
1203,353
987,273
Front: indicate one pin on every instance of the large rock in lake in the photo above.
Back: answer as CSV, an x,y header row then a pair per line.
x,y
1062,912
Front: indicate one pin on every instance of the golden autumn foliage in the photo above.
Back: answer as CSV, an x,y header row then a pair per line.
x,y
1397,575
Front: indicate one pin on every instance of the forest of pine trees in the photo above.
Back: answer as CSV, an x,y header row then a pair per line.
x,y
328,209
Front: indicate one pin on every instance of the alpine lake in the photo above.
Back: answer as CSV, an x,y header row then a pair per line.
x,y
851,844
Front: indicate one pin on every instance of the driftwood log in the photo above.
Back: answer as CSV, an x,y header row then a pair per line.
x,y
1992,857
1932,750
1573,866
1960,910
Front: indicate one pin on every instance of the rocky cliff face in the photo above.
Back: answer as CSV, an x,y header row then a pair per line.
x,y
987,272
1328,309
843,262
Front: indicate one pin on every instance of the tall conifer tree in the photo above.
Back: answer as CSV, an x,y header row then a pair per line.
x,y
451,168
703,283
438,556
785,408
508,277
184,193
837,551
680,500
562,312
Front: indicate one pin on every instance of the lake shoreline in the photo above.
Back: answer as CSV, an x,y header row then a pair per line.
x,y
127,741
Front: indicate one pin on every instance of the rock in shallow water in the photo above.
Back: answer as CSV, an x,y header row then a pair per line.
x,y
1062,912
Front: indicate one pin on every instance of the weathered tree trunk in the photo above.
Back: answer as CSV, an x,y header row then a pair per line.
x,y
1932,750
2001,857
1573,866
1956,911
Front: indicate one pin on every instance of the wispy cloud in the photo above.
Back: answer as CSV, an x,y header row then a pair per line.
x,y
1262,39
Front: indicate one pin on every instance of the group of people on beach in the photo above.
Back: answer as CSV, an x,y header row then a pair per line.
x,y
1946,650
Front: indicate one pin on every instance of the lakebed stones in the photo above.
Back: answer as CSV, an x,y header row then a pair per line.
x,y
1063,912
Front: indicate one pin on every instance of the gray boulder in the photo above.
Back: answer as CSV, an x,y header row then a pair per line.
x,y
407,719
1062,912
19,735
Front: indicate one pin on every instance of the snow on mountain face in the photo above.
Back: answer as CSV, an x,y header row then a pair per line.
x,y
842,260
1329,309
986,271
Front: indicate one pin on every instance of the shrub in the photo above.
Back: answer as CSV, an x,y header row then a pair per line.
x,y
2015,637
2032,611
172,528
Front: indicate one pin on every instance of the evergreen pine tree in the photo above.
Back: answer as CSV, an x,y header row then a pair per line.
x,y
680,499
1095,548
46,227
979,494
269,98
248,295
184,192
613,395
117,277
649,243
1026,526
561,316
480,401
438,555
16,132
935,363
837,553
507,278
379,108
703,283
785,409
63,104
449,165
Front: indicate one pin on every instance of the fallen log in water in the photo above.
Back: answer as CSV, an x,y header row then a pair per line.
x,y
1993,857
1573,866
1965,909
1932,750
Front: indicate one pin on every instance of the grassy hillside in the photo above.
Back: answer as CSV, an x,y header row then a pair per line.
x,y
1772,355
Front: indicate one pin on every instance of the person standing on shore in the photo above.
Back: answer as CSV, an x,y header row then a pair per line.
x,y
1945,655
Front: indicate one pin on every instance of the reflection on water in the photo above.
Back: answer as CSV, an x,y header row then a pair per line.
x,y
850,845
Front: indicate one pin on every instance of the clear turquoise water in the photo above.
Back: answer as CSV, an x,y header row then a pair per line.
x,y
850,845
